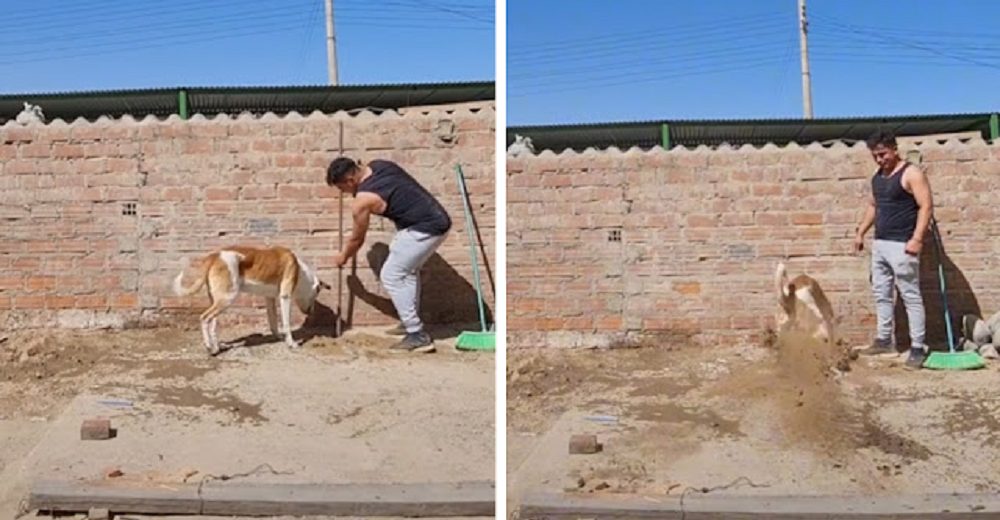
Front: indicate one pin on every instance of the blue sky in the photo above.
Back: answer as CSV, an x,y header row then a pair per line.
x,y
69,45
586,61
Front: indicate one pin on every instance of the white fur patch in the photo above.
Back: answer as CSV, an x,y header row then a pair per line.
x,y
179,284
232,261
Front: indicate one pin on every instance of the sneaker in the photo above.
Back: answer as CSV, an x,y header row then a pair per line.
x,y
878,348
414,342
398,330
989,352
915,361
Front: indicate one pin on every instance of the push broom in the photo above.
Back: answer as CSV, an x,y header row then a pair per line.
x,y
483,339
951,360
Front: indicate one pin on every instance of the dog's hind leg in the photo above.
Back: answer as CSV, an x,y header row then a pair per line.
x,y
222,289
206,333
286,290
272,316
286,321
210,321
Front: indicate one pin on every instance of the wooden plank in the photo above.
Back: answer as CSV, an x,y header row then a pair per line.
x,y
259,499
120,497
709,507
410,500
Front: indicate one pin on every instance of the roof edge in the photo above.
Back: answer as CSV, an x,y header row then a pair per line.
x,y
252,89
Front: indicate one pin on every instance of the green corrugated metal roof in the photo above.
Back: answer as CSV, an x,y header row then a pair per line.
x,y
233,100
691,133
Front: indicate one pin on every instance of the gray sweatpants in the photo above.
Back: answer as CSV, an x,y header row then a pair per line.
x,y
400,274
890,263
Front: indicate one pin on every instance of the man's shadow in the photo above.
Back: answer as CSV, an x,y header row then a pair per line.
x,y
961,301
446,297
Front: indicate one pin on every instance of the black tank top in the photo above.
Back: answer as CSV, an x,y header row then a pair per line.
x,y
895,208
408,204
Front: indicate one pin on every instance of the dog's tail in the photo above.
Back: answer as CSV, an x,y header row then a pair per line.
x,y
201,273
781,281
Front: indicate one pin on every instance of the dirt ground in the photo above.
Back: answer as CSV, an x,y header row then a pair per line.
x,y
773,419
336,411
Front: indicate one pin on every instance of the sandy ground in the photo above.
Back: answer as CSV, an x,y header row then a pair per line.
x,y
336,411
748,420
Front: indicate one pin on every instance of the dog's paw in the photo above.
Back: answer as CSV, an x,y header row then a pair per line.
x,y
293,344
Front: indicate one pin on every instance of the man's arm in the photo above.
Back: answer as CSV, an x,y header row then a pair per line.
x,y
921,190
868,220
865,225
361,211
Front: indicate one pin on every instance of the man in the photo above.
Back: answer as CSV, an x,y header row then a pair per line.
x,y
383,188
900,208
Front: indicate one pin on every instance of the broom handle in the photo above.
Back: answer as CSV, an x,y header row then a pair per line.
x,y
472,244
944,294
339,326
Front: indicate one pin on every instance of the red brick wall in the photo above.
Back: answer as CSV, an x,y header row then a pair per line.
x,y
701,232
70,257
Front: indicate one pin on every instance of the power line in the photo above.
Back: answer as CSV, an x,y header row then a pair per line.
x,y
746,65
910,44
444,9
647,63
140,44
860,43
267,14
701,45
783,71
305,50
194,13
193,8
104,12
924,33
887,60
276,29
368,22
632,35
196,29
467,6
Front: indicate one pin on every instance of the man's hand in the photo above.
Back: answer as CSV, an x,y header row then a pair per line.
x,y
914,246
859,244
340,260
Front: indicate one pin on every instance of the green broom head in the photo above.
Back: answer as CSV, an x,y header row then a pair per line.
x,y
969,360
485,341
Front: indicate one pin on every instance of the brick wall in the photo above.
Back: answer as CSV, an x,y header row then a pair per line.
x,y
73,254
701,232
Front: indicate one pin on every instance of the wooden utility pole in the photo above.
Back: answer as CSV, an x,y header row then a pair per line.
x,y
331,44
807,102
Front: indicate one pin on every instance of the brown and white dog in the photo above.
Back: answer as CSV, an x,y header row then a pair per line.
x,y
803,291
275,273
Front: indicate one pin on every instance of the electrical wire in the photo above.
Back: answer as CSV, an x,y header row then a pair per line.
x,y
654,62
636,35
637,79
905,42
616,50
